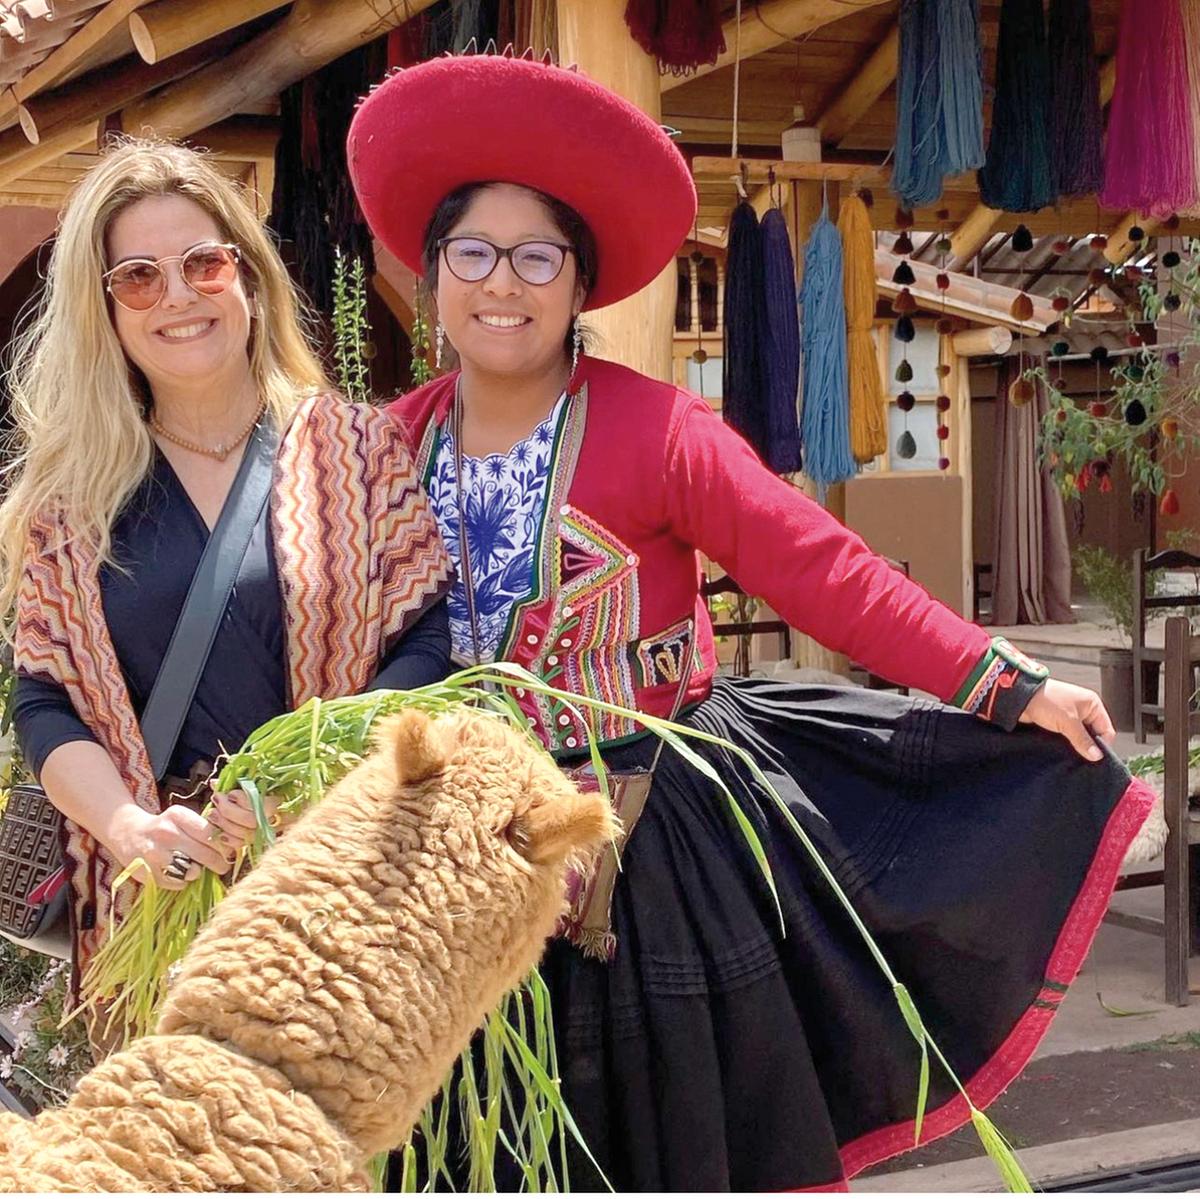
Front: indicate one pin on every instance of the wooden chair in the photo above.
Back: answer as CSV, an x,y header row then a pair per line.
x,y
1180,875
727,585
1147,661
982,592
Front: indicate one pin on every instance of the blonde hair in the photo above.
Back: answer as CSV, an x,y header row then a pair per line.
x,y
81,442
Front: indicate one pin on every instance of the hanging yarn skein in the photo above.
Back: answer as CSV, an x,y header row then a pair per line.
x,y
825,419
868,416
780,346
1076,122
681,34
742,373
1149,159
939,97
1016,176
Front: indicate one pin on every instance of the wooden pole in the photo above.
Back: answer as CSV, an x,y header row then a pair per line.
x,y
637,332
102,92
307,38
973,343
971,235
18,157
1120,245
171,26
772,23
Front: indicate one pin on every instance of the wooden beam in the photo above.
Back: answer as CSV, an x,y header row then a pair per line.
x,y
757,170
973,343
75,49
307,38
1120,246
240,138
971,236
171,26
872,79
18,157
768,24
102,92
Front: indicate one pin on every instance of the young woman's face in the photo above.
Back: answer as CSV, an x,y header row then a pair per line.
x,y
186,336
504,324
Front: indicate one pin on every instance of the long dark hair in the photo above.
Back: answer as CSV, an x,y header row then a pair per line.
x,y
571,226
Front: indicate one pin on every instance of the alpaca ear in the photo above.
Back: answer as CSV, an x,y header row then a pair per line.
x,y
420,753
562,825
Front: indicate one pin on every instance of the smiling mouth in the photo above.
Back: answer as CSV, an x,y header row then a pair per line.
x,y
503,322
186,332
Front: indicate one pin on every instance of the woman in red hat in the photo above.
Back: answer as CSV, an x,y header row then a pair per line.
x,y
701,1045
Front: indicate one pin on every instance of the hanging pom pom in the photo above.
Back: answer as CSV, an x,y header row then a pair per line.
x,y
1060,349
902,245
1098,409
943,403
943,245
943,282
1149,160
1062,246
1022,239
1076,122
904,372
1016,176
868,414
1135,372
906,445
1172,359
779,344
939,97
903,219
943,370
1022,308
1136,234
944,325
905,329
903,275
1060,303
1097,276
1021,392
1099,242
1135,412
1134,340
1170,428
1169,505
906,401
1098,354
904,302
943,433
1171,301
1171,260
700,356
943,464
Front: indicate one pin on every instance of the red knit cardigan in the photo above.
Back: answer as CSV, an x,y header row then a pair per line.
x,y
644,475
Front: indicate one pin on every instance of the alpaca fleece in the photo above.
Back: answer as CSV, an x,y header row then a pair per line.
x,y
328,997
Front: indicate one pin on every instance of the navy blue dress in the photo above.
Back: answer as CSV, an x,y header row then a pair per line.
x,y
157,543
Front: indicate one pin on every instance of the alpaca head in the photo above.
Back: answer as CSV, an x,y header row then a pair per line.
x,y
362,952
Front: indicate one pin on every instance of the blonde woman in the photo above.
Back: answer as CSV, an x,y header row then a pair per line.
x,y
169,330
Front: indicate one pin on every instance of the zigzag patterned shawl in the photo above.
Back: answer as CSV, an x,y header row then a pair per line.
x,y
359,559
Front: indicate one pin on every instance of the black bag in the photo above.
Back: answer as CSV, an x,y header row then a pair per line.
x,y
34,896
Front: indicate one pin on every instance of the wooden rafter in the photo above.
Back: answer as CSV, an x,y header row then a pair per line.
x,y
168,27
768,24
871,80
1120,245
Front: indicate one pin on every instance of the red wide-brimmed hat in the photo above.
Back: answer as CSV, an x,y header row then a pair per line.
x,y
493,118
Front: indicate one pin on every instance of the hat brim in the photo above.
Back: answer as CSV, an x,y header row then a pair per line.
x,y
435,127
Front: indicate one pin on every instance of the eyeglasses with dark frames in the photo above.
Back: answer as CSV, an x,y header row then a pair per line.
x,y
472,259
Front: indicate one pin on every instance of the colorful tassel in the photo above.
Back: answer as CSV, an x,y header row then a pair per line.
x,y
1076,122
1016,176
868,415
825,421
1191,23
939,97
780,346
1150,155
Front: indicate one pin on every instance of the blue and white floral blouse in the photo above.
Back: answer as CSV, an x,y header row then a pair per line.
x,y
504,496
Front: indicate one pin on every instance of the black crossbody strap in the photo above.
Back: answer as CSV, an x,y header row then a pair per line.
x,y
207,598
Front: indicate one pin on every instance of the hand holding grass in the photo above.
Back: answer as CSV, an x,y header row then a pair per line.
x,y
232,813
151,840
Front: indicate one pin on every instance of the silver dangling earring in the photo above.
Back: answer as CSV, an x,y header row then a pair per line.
x,y
439,342
576,346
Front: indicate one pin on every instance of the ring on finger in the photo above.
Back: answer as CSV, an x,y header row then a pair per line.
x,y
178,866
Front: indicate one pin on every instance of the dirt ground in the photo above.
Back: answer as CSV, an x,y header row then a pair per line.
x,y
1081,1095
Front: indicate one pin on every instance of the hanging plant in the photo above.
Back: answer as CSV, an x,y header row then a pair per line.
x,y
1151,422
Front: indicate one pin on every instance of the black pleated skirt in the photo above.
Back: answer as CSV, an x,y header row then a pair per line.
x,y
723,1048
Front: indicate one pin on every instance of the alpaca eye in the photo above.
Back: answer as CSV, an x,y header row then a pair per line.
x,y
518,836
